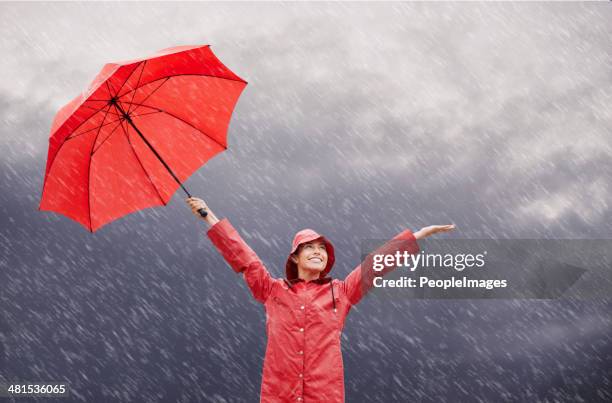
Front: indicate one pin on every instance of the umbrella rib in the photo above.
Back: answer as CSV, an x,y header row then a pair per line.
x,y
137,84
110,91
98,134
130,75
106,100
184,121
72,136
144,114
89,172
141,165
180,75
95,150
90,107
89,117
64,141
147,97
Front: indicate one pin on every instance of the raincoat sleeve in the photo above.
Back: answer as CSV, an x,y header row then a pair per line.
x,y
357,284
241,258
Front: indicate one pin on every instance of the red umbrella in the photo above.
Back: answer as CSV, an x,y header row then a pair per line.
x,y
139,131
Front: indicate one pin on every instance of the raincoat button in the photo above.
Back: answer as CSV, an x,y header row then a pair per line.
x,y
301,375
300,352
301,329
299,399
302,307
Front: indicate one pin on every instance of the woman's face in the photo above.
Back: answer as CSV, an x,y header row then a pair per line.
x,y
311,256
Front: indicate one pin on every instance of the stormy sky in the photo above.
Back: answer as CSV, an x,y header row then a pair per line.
x,y
359,120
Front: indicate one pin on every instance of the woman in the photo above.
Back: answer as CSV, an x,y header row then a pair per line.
x,y
305,312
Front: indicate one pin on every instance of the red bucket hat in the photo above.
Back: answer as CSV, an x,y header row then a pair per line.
x,y
307,235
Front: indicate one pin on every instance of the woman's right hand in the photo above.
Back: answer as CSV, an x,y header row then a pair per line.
x,y
433,229
195,203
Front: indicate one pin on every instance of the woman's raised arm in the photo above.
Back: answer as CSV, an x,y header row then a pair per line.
x,y
240,257
360,280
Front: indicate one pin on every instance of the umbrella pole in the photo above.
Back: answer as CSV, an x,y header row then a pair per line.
x,y
202,212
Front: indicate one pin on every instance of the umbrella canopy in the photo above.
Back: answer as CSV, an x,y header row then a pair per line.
x,y
139,131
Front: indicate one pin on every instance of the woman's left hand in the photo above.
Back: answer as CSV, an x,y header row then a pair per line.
x,y
433,229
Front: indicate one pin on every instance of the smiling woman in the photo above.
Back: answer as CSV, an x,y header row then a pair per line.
x,y
311,258
306,310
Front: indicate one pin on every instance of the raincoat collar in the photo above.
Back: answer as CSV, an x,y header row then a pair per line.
x,y
323,280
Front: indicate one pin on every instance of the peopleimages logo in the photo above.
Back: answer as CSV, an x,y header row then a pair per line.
x,y
412,262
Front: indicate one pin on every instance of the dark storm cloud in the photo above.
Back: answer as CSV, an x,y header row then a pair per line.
x,y
368,94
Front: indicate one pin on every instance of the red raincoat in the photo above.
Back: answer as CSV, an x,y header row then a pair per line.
x,y
304,320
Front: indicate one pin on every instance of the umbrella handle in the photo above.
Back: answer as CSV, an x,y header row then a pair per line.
x,y
203,212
